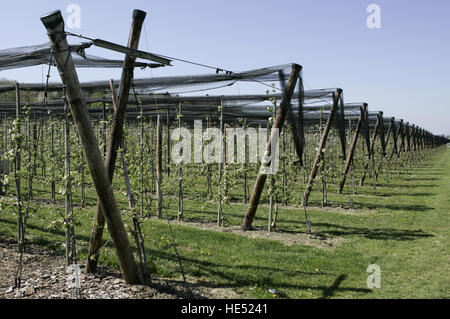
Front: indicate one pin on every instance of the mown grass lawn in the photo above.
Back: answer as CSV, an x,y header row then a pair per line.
x,y
402,227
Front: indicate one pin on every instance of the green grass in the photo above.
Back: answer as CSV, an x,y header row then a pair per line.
x,y
403,228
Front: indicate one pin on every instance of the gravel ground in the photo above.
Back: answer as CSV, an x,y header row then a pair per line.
x,y
45,276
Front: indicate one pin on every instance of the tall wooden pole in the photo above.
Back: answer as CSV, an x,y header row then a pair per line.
x,y
54,24
352,148
115,139
180,171
159,166
168,144
319,154
279,121
220,168
68,186
20,226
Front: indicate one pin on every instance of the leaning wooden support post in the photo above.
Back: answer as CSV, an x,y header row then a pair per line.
x,y
54,24
290,115
408,138
319,154
390,130
384,138
159,166
341,126
408,143
352,148
371,155
279,121
395,135
115,138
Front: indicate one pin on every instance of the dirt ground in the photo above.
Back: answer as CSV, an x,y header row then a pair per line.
x,y
44,276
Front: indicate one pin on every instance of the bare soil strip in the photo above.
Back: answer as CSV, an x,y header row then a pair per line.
x,y
44,277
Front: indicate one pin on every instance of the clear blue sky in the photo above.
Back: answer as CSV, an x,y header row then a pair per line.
x,y
402,68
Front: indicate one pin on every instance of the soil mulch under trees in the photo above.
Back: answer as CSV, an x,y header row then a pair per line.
x,y
45,276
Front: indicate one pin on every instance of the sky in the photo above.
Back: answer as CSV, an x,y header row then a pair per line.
x,y
401,68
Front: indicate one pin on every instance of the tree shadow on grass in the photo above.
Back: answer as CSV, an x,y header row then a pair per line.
x,y
393,185
410,194
330,291
393,207
371,233
41,241
236,276
241,276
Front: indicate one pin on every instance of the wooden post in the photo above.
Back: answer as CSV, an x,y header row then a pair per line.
x,y
68,190
382,135
352,148
113,96
395,147
220,165
383,141
168,144
279,121
423,138
208,166
52,153
272,183
141,161
159,166
245,164
180,171
319,154
126,175
54,24
104,128
402,142
414,142
115,139
5,165
341,126
371,155
296,134
390,130
20,225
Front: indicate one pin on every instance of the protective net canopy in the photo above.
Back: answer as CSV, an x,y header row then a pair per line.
x,y
250,97
41,54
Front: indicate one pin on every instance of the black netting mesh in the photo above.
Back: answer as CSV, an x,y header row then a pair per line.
x,y
41,54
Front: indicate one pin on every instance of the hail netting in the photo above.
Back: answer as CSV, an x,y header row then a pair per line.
x,y
244,94
41,54
248,94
